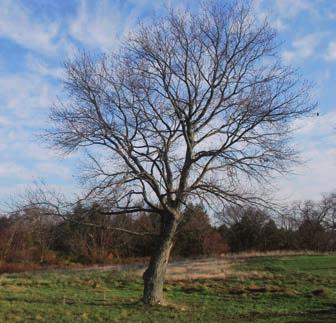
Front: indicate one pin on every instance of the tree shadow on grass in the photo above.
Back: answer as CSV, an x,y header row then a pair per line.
x,y
325,315
71,301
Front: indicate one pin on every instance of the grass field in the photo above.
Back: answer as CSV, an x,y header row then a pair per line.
x,y
260,289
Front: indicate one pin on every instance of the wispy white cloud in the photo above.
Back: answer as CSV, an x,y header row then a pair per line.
x,y
291,8
264,11
37,66
315,140
280,12
19,25
302,48
13,171
101,25
322,124
54,169
316,177
331,51
24,95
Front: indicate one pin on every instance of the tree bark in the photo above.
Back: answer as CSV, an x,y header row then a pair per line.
x,y
155,273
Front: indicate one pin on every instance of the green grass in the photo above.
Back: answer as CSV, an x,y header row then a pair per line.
x,y
265,289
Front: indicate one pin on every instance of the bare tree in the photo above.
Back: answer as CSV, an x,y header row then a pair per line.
x,y
321,212
193,107
315,222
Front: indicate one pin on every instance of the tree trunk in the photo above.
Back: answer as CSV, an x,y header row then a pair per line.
x,y
155,273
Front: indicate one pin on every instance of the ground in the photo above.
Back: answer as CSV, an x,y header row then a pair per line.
x,y
254,289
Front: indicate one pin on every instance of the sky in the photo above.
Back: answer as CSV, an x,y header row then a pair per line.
x,y
36,37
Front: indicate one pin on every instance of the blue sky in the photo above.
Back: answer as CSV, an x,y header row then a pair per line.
x,y
37,36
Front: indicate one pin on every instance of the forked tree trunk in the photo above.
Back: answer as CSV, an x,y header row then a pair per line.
x,y
155,273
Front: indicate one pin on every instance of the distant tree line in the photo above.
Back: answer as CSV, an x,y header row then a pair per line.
x,y
31,235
